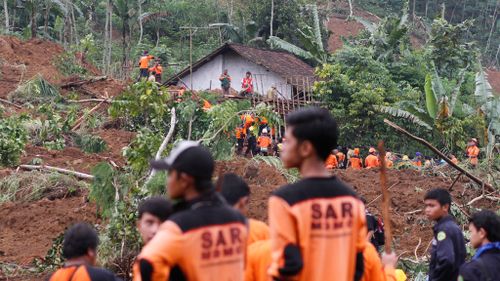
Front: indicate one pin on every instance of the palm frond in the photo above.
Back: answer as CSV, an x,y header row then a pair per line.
x,y
430,97
483,92
396,112
277,43
317,29
456,91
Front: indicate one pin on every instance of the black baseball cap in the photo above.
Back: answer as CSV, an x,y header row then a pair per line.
x,y
188,157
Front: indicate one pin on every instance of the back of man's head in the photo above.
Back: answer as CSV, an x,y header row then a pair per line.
x,y
156,206
490,222
78,240
317,126
233,188
439,194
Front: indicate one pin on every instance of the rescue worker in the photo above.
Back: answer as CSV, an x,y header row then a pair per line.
x,y
247,85
251,144
417,161
240,138
206,105
144,64
340,158
388,160
263,124
272,93
453,159
225,82
152,213
331,162
193,238
371,161
264,142
80,251
318,227
355,160
248,120
484,227
258,261
472,152
448,246
237,194
158,70
405,163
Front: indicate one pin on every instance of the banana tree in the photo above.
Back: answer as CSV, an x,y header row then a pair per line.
x,y
489,107
311,39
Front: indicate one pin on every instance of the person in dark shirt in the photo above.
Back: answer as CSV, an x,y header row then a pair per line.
x,y
448,246
484,230
80,251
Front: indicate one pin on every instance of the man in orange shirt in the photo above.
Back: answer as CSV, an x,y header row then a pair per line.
x,y
258,261
318,225
331,162
237,193
472,152
80,251
240,139
340,157
355,160
207,238
144,64
157,69
264,141
371,161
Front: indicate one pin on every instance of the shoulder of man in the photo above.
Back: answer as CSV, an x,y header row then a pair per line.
x,y
313,188
101,274
470,271
190,219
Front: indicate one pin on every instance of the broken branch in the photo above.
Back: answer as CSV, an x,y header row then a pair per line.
x,y
56,169
10,103
83,82
435,150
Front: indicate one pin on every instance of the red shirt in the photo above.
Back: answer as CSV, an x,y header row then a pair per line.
x,y
247,82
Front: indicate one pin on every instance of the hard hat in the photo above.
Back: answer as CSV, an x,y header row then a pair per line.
x,y
418,154
474,140
406,158
264,131
371,150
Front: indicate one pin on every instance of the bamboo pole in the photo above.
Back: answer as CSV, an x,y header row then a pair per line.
x,y
385,199
10,103
435,150
56,169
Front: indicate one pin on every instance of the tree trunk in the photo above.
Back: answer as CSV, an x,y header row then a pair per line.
x,y
157,35
33,19
493,24
106,36
6,13
139,2
272,19
46,18
351,13
426,7
77,40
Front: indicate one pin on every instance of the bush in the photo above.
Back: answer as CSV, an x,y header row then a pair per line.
x,y
13,138
90,143
67,65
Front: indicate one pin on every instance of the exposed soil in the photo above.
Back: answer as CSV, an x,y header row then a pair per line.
x,y
494,79
27,229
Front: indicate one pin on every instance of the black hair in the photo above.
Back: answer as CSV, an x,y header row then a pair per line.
x,y
489,221
248,72
316,125
78,239
233,188
156,206
440,194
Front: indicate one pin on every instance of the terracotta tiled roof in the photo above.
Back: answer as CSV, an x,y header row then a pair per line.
x,y
282,63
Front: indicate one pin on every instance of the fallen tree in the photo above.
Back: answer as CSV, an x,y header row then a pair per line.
x,y
56,169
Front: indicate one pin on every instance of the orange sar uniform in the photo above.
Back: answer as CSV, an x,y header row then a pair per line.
x,y
207,239
82,273
318,231
264,142
158,69
331,162
473,153
374,270
257,231
258,261
371,161
355,162
340,157
144,64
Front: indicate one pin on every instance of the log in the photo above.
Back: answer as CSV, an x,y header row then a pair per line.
x,y
385,201
59,170
435,150
90,100
80,120
10,103
80,83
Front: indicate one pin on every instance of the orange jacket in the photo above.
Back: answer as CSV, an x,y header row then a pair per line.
x,y
239,133
341,157
206,105
157,68
388,163
355,162
144,61
473,153
258,261
257,230
374,270
264,141
371,161
319,223
331,162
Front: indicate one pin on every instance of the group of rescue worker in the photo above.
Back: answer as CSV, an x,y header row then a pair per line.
x,y
318,228
349,158
153,73
258,135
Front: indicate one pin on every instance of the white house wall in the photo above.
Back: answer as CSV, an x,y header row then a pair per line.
x,y
207,76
